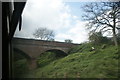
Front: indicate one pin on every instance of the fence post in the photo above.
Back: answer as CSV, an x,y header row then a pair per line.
x,y
65,75
78,75
56,75
42,75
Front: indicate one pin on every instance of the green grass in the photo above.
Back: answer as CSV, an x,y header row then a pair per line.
x,y
47,58
20,68
101,63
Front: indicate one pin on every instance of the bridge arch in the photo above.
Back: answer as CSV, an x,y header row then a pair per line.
x,y
21,52
57,51
31,62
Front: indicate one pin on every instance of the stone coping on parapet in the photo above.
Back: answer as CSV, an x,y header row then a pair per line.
x,y
17,38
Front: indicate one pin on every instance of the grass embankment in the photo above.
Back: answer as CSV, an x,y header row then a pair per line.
x,y
101,63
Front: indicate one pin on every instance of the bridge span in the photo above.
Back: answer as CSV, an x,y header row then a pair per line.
x,y
33,48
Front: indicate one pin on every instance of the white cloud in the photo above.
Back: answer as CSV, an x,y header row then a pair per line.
x,y
62,37
55,15
77,33
45,13
75,17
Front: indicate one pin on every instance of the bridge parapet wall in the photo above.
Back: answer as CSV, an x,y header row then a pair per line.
x,y
42,42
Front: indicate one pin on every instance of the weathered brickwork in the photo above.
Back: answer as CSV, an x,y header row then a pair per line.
x,y
33,48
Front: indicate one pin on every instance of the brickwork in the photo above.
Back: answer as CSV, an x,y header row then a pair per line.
x,y
33,48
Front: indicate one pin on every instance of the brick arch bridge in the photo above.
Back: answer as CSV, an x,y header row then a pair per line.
x,y
33,48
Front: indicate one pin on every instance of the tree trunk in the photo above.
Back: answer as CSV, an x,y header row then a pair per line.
x,y
114,26
115,38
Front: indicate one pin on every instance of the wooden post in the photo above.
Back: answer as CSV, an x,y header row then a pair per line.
x,y
78,75
56,75
65,75
42,74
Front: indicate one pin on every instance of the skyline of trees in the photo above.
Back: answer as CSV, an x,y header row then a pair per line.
x,y
44,34
103,17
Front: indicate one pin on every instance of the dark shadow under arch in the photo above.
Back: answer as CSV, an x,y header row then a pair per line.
x,y
21,52
58,52
46,58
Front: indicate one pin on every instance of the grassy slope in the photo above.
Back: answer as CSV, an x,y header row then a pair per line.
x,y
96,64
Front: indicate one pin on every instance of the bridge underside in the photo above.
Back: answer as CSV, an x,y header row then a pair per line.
x,y
32,60
35,51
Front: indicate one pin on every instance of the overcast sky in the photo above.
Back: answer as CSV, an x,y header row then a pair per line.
x,y
64,18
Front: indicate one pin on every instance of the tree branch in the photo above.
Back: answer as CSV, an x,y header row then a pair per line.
x,y
106,30
117,28
103,28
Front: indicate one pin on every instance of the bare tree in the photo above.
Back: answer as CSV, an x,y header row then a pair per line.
x,y
44,34
103,16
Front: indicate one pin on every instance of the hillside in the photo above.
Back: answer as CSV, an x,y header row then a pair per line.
x,y
83,63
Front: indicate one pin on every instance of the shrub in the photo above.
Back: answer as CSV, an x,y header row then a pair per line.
x,y
97,38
